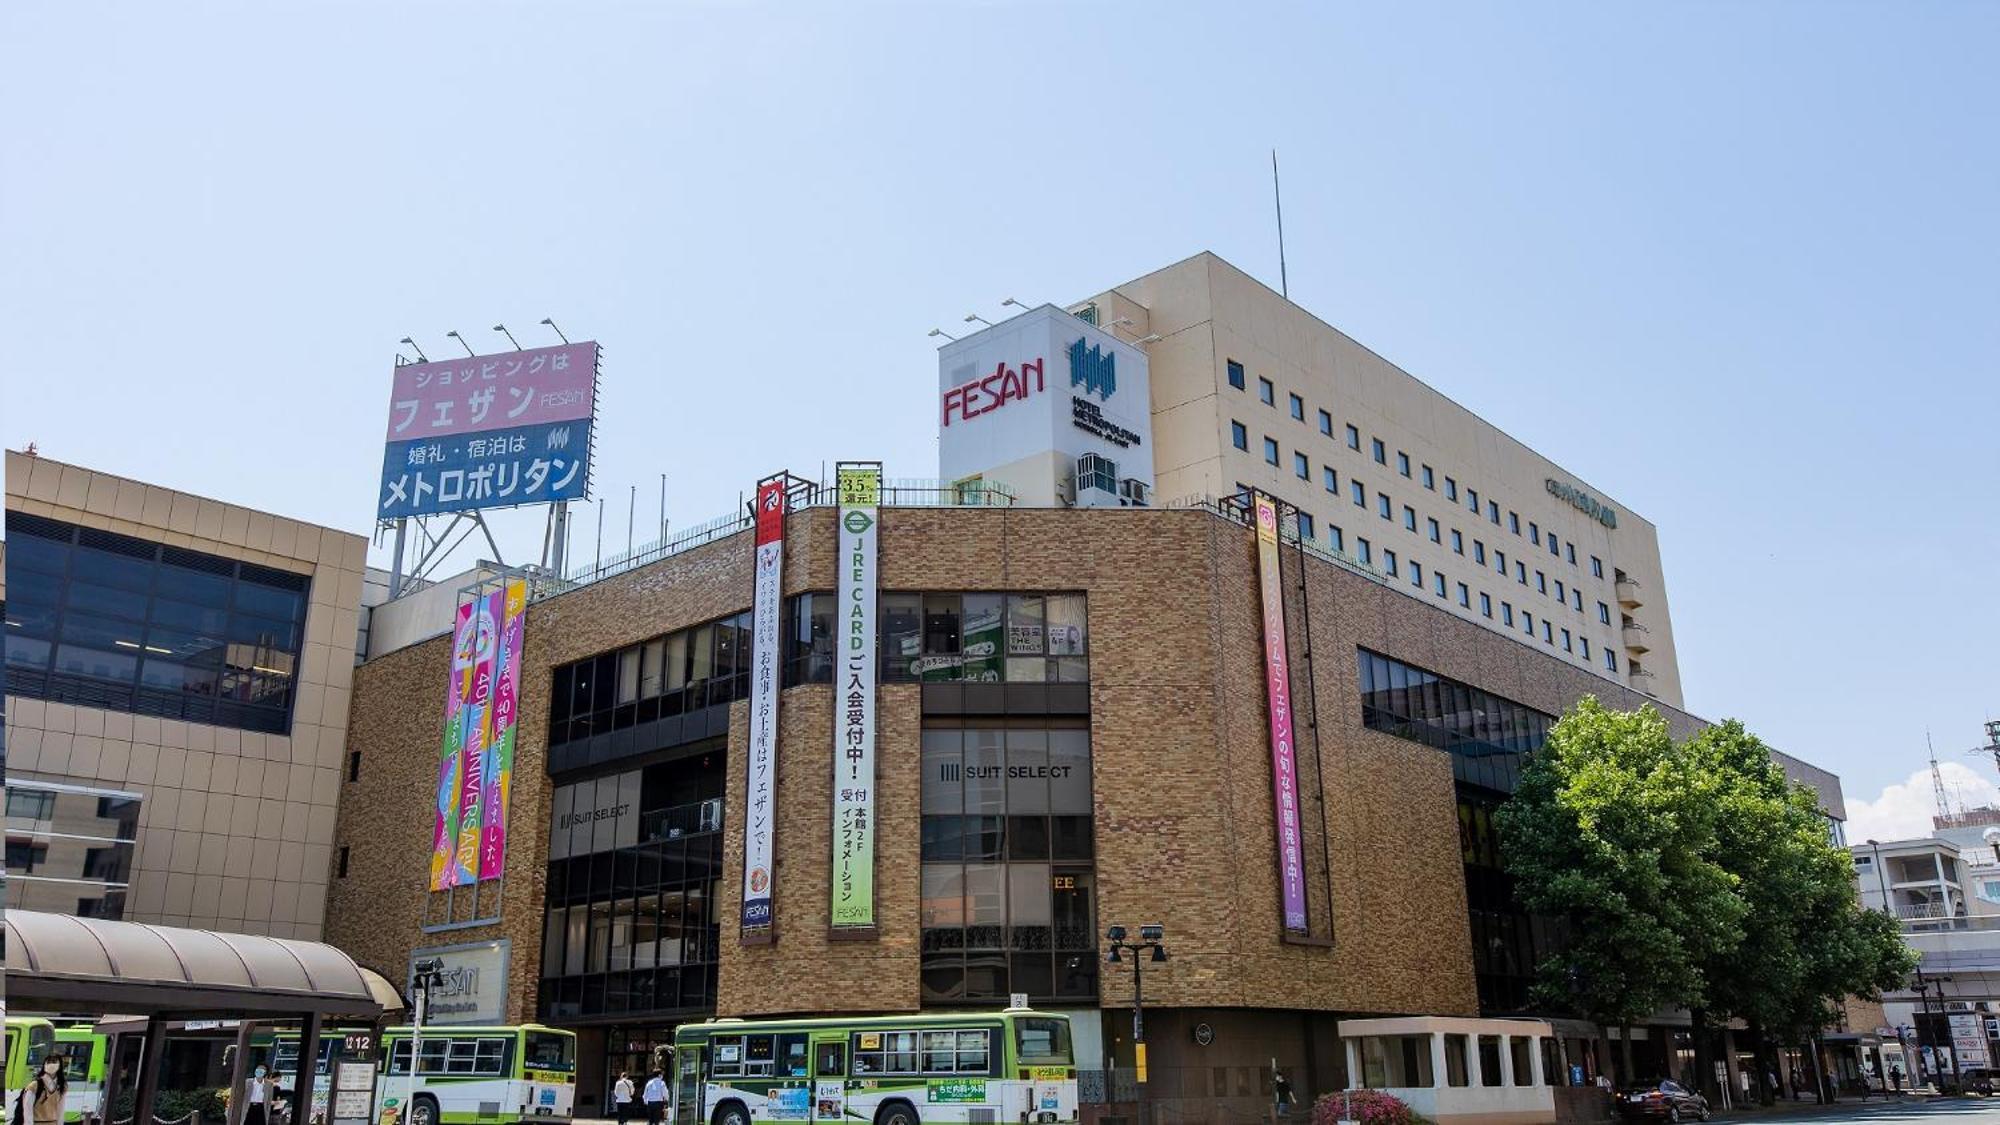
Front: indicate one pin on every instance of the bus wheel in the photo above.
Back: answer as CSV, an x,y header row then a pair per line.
x,y
896,1113
732,1113
424,1111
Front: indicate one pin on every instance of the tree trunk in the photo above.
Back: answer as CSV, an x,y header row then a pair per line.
x,y
1704,1070
1818,1073
1758,1048
1627,1077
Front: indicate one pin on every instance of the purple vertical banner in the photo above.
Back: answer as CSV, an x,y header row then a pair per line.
x,y
472,754
499,776
1278,690
464,649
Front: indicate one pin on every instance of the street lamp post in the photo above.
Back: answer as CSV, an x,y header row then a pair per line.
x,y
1150,938
425,975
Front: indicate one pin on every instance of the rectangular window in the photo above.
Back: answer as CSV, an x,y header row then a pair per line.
x,y
1529,619
1382,505
1362,552
1585,642
1270,451
1472,500
1302,466
1576,597
1326,423
342,872
1569,552
1378,451
1534,533
1335,539
1553,548
1438,583
1431,526
1541,583
1239,436
1402,462
1604,613
1430,478
1359,491
1514,522
1493,513
1389,563
1451,490
1560,596
1507,614
1500,561
1457,542
1266,393
1548,632
1611,659
1465,595
1353,438
1479,551
1305,527
1409,518
1521,572
1236,374
1486,604
1596,567
1566,647
1298,408
1332,482
1416,574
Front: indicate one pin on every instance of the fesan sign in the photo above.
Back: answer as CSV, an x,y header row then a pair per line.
x,y
759,796
969,400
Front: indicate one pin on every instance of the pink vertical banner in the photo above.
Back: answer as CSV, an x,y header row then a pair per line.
x,y
1278,691
499,770
478,732
464,648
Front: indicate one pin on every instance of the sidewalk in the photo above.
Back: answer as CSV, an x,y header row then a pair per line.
x,y
1806,1107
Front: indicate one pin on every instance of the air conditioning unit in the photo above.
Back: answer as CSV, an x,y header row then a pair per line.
x,y
1132,492
1097,482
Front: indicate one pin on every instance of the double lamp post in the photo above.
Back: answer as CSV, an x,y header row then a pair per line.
x,y
1149,947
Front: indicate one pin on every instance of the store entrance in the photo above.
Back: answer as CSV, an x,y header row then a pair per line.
x,y
637,1051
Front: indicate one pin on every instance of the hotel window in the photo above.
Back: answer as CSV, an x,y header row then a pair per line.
x,y
1416,574
1334,539
1554,549
1266,393
1534,533
1363,552
1305,527
1301,466
1409,518
1359,491
111,622
1585,642
1465,595
1566,647
1507,613
1541,583
1451,490
1569,552
1332,482
1500,562
1485,604
1378,451
1236,374
1433,528
1382,505
1326,423
1596,567
1604,613
1560,595
1457,542
1389,563
1493,512
1548,632
1430,479
1270,451
1479,551
1353,438
1239,436
1520,572
1576,596
1472,500
1298,408
1514,522
1438,583
1402,462
1529,618
1611,660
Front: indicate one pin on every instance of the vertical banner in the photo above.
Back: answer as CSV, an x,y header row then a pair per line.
x,y
476,755
1278,689
853,882
760,757
472,754
464,647
498,774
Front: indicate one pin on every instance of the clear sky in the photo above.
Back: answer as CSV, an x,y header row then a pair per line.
x,y
1735,264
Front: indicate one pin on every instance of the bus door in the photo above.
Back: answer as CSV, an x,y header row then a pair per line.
x,y
690,1104
790,1097
829,1074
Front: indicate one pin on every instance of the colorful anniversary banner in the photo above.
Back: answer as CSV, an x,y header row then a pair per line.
x,y
476,757
761,757
853,882
1278,689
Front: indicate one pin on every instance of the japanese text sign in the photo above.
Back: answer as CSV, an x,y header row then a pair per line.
x,y
853,884
760,759
1278,691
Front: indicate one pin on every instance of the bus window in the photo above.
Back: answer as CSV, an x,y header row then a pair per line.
x,y
1042,1042
551,1052
792,1053
759,1053
832,1061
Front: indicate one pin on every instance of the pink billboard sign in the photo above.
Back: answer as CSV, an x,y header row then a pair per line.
x,y
493,392
1278,691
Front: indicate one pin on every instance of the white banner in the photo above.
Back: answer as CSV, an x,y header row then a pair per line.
x,y
853,881
760,757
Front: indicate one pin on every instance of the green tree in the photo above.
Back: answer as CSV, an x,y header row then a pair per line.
x,y
1613,827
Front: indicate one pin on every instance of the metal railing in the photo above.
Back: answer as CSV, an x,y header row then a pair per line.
x,y
681,820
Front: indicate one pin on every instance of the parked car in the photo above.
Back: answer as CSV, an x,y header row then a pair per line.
x,y
1976,1080
1667,1100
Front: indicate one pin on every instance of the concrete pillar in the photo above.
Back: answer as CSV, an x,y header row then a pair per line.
x,y
1353,1064
1438,1071
1474,1072
1507,1060
302,1089
150,1058
1535,1068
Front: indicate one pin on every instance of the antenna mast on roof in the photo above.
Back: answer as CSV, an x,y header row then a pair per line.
x,y
1284,283
1937,781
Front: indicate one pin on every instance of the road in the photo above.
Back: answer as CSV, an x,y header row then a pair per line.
x,y
1936,1111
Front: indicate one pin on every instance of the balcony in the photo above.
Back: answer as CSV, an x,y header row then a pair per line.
x,y
1627,591
1634,637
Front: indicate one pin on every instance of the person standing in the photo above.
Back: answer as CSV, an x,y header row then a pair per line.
x,y
257,1097
656,1099
621,1096
45,1095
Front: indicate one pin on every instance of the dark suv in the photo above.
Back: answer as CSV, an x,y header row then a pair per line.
x,y
1666,1100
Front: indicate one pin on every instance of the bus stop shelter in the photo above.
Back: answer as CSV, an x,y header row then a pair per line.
x,y
59,963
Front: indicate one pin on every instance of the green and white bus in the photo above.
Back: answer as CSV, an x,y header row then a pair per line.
x,y
972,1067
481,1075
29,1041
84,1050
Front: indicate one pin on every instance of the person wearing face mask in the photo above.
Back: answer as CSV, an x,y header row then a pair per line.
x,y
45,1096
257,1096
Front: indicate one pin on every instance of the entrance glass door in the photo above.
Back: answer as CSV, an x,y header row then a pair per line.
x,y
687,1086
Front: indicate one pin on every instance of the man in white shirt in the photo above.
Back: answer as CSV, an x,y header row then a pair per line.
x,y
621,1096
656,1099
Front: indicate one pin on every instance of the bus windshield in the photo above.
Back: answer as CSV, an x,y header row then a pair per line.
x,y
1042,1042
550,1052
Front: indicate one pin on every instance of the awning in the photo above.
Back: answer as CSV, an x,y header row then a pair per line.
x,y
59,963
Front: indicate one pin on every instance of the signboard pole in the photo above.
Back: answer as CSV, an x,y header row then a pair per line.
x,y
396,565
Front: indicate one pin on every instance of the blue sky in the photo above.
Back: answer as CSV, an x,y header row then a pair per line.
x,y
1732,263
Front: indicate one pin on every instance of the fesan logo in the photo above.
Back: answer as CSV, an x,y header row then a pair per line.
x,y
1093,369
971,399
